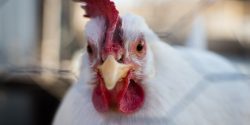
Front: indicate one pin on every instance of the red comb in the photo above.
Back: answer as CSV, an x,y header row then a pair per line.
x,y
105,9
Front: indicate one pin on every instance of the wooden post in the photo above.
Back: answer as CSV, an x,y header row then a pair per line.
x,y
51,39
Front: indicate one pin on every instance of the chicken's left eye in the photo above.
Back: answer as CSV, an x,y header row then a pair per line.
x,y
139,47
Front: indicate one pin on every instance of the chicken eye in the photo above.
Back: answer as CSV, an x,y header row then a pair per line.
x,y
89,49
139,47
91,52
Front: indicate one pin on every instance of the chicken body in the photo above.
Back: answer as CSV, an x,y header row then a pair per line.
x,y
182,87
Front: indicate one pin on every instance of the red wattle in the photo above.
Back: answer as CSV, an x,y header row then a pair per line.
x,y
127,96
100,98
132,99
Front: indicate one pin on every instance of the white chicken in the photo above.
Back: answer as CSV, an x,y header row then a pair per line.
x,y
130,77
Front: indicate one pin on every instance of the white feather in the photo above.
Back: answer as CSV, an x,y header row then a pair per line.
x,y
94,30
177,92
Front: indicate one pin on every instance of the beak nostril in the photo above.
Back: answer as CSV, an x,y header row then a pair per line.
x,y
120,59
101,61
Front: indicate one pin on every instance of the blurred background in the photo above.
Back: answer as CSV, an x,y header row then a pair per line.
x,y
41,42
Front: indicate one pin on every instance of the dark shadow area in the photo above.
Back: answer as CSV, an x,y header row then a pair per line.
x,y
22,102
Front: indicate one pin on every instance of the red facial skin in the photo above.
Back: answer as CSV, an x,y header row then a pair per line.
x,y
128,95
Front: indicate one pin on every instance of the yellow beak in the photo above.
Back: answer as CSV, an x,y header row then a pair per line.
x,y
112,71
